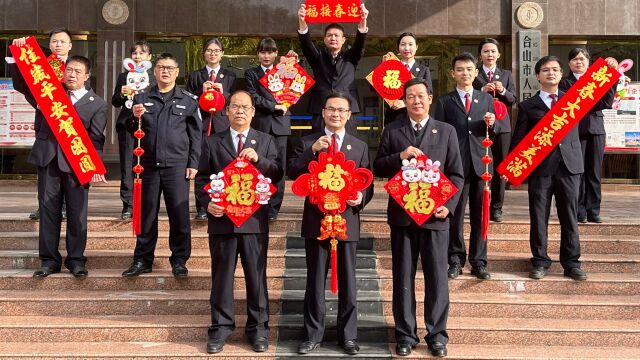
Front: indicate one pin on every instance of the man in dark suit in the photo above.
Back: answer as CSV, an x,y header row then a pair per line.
x,y
592,138
557,175
56,179
334,69
270,116
250,240
336,113
171,122
408,137
499,83
469,112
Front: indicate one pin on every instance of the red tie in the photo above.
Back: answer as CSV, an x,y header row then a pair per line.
x,y
554,99
240,143
467,102
490,75
212,76
334,143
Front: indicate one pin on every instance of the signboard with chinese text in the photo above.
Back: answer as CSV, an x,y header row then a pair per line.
x,y
528,55
622,125
17,128
330,11
287,81
560,119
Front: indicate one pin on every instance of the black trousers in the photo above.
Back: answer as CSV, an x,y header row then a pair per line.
x,y
317,124
564,186
407,242
126,143
171,183
224,250
54,186
590,194
499,149
276,200
318,256
472,191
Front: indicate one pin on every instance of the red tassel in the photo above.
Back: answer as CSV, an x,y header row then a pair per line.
x,y
137,206
210,121
486,198
334,266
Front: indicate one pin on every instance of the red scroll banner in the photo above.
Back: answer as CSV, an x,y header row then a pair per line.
x,y
420,188
555,125
330,11
240,189
56,107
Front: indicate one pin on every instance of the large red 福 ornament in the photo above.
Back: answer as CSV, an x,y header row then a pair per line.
x,y
388,79
331,181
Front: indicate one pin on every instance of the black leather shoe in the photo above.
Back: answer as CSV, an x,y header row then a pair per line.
x,y
273,216
260,344
79,271
576,274
137,268
404,348
307,347
214,346
351,347
35,215
454,271
538,272
438,349
496,216
179,270
45,271
594,219
126,214
481,273
201,215
582,219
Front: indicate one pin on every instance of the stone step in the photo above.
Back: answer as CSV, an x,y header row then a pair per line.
x,y
371,328
366,279
291,222
295,259
121,259
520,262
241,350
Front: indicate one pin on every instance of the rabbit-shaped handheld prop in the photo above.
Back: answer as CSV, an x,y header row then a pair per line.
x,y
137,78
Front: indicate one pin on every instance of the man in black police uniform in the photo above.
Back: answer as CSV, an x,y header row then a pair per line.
x,y
410,136
172,125
56,180
333,68
336,113
251,239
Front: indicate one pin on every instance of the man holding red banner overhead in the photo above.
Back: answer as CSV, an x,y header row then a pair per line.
x,y
336,113
226,240
56,179
410,136
333,68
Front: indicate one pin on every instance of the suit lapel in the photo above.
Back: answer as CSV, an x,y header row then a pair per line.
x,y
84,100
537,101
349,148
227,143
251,140
458,101
431,135
408,132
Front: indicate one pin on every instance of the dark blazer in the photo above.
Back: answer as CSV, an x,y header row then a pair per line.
x,y
568,150
471,128
118,100
331,74
225,77
509,98
421,71
354,149
593,122
266,119
173,131
440,143
218,152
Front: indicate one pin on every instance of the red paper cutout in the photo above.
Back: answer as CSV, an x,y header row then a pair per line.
x,y
287,81
389,78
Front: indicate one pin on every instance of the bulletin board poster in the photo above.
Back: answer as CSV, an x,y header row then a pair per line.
x,y
622,123
17,129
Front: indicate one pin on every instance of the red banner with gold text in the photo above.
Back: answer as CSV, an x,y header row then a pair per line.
x,y
329,11
560,119
56,107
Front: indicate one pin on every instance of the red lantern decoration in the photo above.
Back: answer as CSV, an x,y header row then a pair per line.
x,y
487,159
211,101
487,143
138,134
138,152
500,108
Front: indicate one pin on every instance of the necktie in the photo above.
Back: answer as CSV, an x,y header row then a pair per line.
x,y
418,127
334,143
467,102
554,99
490,75
240,143
212,76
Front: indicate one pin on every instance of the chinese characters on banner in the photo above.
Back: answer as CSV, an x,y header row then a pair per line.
x,y
240,189
388,79
420,188
329,11
57,109
528,55
555,125
287,81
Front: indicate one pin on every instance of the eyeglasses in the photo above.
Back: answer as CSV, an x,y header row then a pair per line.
x,y
236,107
421,97
332,110
69,70
213,51
169,69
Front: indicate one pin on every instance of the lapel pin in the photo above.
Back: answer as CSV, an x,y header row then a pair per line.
x,y
417,69
435,131
221,76
475,101
91,98
497,77
349,147
253,141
